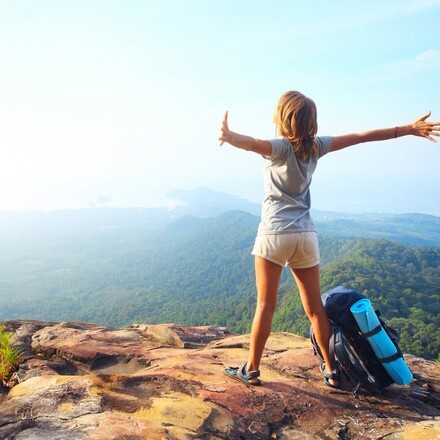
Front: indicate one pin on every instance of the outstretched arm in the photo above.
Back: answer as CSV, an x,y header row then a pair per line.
x,y
420,127
243,142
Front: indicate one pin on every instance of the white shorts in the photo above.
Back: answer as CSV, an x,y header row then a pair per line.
x,y
297,250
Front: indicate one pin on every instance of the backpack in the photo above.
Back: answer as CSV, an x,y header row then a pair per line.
x,y
349,349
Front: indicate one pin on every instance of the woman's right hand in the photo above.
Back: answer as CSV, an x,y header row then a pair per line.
x,y
225,136
425,129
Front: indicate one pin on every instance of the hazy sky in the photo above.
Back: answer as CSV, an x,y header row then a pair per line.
x,y
124,99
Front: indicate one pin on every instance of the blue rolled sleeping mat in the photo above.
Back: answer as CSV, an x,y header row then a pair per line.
x,y
380,342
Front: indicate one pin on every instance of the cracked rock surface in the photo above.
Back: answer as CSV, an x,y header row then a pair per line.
x,y
86,381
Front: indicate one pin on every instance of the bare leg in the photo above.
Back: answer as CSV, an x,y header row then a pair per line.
x,y
309,289
267,275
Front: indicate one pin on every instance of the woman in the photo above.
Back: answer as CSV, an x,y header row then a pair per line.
x,y
287,234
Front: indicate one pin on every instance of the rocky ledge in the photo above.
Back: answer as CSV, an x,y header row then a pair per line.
x,y
85,381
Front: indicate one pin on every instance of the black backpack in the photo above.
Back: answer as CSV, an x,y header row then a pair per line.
x,y
349,349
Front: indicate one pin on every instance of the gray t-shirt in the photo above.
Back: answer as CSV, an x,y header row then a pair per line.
x,y
286,206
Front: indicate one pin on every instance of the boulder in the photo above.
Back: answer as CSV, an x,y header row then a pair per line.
x,y
181,335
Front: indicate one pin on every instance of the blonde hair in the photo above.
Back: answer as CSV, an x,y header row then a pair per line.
x,y
296,120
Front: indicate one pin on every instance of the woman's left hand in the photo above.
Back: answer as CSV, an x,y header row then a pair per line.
x,y
425,129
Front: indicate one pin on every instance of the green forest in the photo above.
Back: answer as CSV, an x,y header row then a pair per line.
x,y
199,271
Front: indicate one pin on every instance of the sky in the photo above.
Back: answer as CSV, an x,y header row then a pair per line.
x,y
116,103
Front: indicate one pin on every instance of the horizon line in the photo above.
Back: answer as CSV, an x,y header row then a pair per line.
x,y
141,208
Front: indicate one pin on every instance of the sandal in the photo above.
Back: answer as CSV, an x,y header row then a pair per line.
x,y
240,373
332,376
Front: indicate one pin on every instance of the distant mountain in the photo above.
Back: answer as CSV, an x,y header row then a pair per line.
x,y
413,229
204,202
201,202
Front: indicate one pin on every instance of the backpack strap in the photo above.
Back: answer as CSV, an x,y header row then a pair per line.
x,y
332,342
372,332
392,333
391,358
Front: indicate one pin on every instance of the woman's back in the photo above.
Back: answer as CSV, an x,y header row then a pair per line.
x,y
286,205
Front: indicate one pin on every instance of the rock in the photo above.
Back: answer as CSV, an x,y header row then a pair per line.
x,y
424,430
22,337
180,335
93,348
90,382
